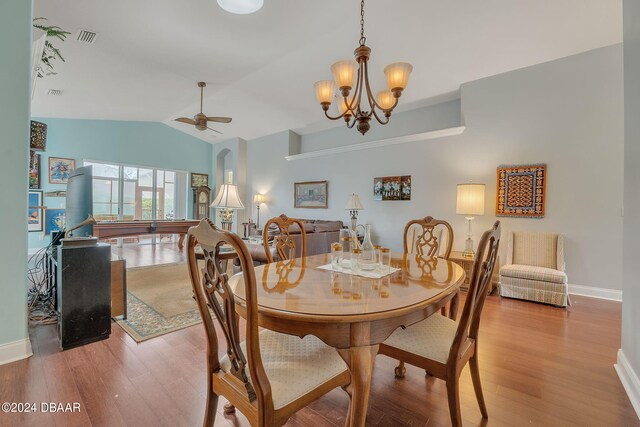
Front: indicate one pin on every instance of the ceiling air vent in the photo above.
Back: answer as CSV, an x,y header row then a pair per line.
x,y
85,36
54,92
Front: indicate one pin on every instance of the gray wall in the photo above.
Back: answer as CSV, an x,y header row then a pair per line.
x,y
441,116
566,113
15,45
631,266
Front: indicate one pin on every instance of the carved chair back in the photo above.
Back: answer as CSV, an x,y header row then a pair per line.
x,y
425,237
212,291
283,242
481,273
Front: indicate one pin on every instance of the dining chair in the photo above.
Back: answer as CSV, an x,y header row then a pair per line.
x,y
442,346
535,268
426,236
431,238
282,230
270,375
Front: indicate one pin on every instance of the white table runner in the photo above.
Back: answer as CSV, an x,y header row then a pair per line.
x,y
378,273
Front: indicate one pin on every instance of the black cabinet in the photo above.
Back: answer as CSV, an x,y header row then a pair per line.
x,y
83,293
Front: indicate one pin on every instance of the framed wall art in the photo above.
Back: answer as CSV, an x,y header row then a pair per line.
x,y
392,188
34,213
54,220
521,191
310,195
34,169
199,180
38,136
59,168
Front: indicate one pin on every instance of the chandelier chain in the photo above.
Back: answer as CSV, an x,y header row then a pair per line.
x,y
363,39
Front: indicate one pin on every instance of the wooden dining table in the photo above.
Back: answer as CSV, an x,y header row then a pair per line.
x,y
351,313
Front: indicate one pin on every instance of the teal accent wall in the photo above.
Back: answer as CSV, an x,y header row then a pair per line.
x,y
150,144
15,45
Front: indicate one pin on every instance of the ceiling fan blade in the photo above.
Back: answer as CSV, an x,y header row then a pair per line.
x,y
219,119
215,131
186,120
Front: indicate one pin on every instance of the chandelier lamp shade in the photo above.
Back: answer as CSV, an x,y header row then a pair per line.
x,y
356,103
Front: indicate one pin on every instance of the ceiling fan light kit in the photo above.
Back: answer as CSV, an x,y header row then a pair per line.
x,y
200,120
241,7
348,74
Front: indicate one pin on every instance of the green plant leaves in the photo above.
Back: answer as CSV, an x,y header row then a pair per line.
x,y
50,53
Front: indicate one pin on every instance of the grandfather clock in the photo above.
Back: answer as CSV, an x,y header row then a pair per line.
x,y
201,201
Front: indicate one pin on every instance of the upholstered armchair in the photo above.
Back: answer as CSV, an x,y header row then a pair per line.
x,y
535,268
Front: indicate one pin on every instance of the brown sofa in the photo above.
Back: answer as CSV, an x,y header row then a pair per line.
x,y
320,235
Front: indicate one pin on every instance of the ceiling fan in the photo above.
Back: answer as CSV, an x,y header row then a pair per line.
x,y
200,120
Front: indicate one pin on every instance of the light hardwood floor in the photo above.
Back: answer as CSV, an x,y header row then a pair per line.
x,y
540,366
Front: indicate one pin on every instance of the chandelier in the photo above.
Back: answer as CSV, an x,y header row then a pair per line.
x,y
349,74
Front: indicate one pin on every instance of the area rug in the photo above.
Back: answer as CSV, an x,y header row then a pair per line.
x,y
159,301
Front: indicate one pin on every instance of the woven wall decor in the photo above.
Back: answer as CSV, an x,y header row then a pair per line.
x,y
521,191
38,140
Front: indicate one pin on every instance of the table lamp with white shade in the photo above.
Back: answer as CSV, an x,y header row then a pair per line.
x,y
353,206
227,201
470,202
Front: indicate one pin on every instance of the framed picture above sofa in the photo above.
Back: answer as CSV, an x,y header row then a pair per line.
x,y
392,188
310,195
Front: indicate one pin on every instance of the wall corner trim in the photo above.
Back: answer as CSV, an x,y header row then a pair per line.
x,y
590,291
629,380
441,133
14,351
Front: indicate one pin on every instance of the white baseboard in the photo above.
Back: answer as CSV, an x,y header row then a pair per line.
x,y
629,380
16,350
602,293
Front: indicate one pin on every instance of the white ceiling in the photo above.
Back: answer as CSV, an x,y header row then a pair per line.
x,y
260,68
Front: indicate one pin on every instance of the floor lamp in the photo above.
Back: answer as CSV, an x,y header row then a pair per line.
x,y
470,202
259,199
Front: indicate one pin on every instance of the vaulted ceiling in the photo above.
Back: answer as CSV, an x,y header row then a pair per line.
x,y
260,68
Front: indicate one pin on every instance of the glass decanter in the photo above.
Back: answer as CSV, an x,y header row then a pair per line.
x,y
368,256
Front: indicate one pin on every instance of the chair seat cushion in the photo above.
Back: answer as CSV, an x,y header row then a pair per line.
x,y
294,365
529,272
430,338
